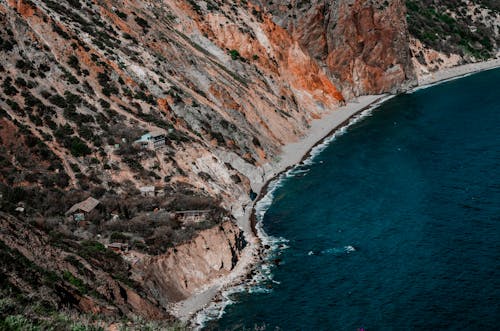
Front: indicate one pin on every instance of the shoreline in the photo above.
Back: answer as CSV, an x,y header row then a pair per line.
x,y
292,155
265,188
447,74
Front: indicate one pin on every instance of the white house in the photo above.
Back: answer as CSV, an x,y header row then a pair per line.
x,y
152,140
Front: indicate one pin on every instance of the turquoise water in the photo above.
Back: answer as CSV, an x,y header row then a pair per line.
x,y
395,225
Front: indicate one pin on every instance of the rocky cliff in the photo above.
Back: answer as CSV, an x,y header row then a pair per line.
x,y
362,44
54,272
227,83
190,267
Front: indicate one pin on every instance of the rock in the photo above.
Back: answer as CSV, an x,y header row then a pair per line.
x,y
364,44
174,276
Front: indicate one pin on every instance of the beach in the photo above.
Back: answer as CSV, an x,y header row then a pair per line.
x,y
291,155
456,72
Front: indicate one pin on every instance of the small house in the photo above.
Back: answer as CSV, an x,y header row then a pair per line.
x,y
147,191
191,216
118,247
80,210
152,140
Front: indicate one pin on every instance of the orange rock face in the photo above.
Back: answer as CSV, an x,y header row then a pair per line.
x,y
363,44
24,9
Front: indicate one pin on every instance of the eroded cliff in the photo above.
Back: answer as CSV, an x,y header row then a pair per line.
x,y
191,267
226,83
362,44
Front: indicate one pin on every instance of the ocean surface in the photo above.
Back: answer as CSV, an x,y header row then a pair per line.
x,y
395,225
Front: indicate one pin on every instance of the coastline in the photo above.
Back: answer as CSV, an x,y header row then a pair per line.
x,y
292,155
447,74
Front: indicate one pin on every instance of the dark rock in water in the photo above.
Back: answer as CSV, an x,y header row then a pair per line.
x,y
277,261
267,246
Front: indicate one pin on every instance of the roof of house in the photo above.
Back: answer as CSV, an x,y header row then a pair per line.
x,y
190,212
87,206
146,189
117,245
151,136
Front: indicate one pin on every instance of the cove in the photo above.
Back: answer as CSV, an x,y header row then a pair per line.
x,y
395,225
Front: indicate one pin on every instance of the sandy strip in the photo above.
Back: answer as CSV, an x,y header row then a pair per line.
x,y
458,71
293,154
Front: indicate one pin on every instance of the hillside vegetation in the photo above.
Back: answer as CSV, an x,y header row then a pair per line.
x,y
223,86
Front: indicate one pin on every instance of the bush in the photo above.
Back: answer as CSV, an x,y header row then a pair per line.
x,y
58,101
8,88
121,15
235,55
119,237
16,322
78,147
73,62
142,22
76,282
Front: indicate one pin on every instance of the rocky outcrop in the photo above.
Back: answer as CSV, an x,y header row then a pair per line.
x,y
188,268
227,82
363,44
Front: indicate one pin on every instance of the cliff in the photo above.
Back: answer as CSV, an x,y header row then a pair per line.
x,y
57,272
191,267
362,44
226,84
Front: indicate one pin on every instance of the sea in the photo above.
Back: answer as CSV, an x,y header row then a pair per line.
x,y
391,224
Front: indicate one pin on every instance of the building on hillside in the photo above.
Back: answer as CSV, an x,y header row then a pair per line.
x,y
147,191
118,247
190,216
152,140
80,210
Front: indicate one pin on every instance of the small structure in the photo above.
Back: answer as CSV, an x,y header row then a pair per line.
x,y
152,140
20,208
192,216
118,247
80,210
147,191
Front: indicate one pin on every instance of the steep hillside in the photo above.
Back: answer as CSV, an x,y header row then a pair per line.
x,y
163,113
446,33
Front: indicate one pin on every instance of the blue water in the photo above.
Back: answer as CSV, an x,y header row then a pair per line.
x,y
415,190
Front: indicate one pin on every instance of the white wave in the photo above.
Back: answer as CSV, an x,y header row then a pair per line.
x,y
296,172
336,251
332,251
349,249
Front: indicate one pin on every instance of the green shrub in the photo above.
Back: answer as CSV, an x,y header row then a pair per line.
x,y
78,147
235,55
58,101
76,282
